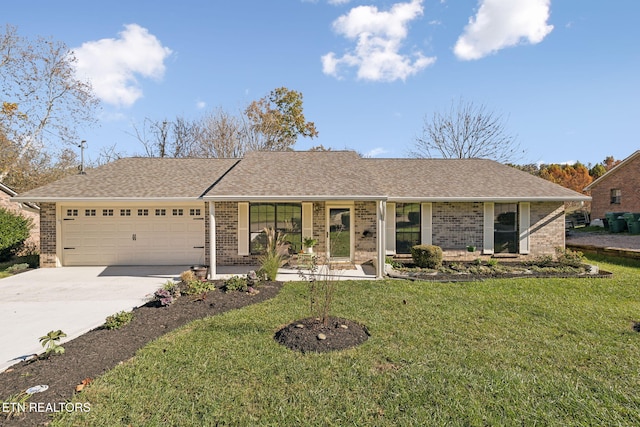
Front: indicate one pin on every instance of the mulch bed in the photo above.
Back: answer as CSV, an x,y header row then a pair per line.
x,y
311,335
99,350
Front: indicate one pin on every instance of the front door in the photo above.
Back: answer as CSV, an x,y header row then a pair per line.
x,y
339,232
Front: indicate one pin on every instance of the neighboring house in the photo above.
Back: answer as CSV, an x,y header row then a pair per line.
x,y
26,209
145,211
618,190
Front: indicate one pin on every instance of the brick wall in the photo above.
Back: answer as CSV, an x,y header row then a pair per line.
x,y
626,179
546,228
227,236
457,225
365,223
47,235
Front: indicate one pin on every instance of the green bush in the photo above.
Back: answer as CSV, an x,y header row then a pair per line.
x,y
17,268
569,258
235,283
14,230
427,256
118,320
197,287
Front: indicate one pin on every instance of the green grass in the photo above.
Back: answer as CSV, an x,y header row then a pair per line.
x,y
498,352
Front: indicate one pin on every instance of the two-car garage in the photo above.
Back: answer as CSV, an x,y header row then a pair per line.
x,y
132,234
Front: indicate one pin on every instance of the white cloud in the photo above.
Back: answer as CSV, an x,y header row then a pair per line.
x,y
379,36
113,65
503,23
338,2
200,105
375,152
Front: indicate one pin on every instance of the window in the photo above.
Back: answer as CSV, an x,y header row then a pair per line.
x,y
89,212
72,212
505,225
285,218
143,212
125,212
178,212
407,227
107,212
161,212
194,212
616,196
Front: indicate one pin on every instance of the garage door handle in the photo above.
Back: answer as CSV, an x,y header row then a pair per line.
x,y
68,248
198,247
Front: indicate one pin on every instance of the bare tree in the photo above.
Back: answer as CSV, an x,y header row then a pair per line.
x,y
43,103
177,138
467,130
221,135
272,123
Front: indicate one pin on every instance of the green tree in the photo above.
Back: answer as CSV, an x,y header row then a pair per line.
x,y
597,171
277,120
14,230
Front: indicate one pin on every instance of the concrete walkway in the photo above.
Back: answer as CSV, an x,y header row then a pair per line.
x,y
73,299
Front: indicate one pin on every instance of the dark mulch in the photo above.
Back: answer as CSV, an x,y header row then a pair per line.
x,y
311,335
99,350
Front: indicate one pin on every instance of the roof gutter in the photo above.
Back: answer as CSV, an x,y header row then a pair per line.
x,y
319,198
490,199
104,199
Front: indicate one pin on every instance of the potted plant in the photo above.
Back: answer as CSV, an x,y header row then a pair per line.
x,y
471,248
309,243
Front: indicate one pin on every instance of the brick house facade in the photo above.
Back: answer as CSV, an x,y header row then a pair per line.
x,y
618,190
132,211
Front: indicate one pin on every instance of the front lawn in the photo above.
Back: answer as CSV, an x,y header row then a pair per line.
x,y
497,352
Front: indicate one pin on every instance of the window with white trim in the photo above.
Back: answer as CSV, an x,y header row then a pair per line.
x,y
285,218
407,227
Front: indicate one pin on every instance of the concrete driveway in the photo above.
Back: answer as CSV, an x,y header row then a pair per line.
x,y
73,299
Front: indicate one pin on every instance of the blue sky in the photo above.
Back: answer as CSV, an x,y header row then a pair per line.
x,y
564,74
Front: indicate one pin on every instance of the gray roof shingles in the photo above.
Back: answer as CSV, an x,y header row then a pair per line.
x,y
303,175
138,178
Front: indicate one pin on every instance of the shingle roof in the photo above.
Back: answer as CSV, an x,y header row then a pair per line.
x,y
303,175
462,179
297,174
137,178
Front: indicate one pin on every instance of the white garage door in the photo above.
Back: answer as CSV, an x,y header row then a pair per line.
x,y
132,235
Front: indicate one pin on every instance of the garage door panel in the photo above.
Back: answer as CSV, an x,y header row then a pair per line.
x,y
132,240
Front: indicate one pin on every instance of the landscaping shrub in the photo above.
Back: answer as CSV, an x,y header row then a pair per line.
x,y
197,287
427,256
273,257
235,283
118,320
17,268
14,230
569,258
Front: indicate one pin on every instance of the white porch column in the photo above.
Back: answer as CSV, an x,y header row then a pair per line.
x,y
212,241
381,244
